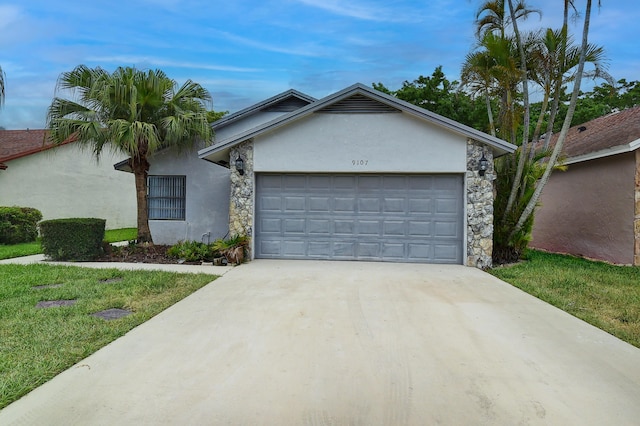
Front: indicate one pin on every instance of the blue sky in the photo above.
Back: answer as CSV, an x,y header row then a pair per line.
x,y
244,51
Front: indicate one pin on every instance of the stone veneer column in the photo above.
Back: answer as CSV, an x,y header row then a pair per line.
x,y
636,221
241,201
479,207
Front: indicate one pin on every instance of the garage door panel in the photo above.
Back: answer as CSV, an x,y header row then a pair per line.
x,y
419,228
294,248
320,204
294,226
294,182
394,205
369,205
409,218
446,229
446,206
344,205
442,251
420,205
270,203
271,226
393,228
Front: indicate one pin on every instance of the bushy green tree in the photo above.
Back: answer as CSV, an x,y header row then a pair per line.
x,y
438,94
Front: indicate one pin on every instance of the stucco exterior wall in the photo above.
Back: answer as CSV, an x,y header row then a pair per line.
x,y
361,143
68,182
245,124
636,222
589,210
207,199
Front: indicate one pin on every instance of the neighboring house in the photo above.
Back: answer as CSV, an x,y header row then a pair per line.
x,y
593,208
63,181
357,175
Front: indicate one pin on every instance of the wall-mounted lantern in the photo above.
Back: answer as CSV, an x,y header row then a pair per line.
x,y
240,165
483,165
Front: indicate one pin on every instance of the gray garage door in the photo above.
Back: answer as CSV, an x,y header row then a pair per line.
x,y
398,218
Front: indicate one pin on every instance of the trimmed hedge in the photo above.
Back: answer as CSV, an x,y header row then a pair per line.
x,y
19,224
72,239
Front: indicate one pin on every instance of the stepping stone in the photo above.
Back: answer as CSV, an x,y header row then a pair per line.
x,y
40,287
111,280
112,314
55,303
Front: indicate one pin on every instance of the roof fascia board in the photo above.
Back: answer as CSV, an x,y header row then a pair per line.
x,y
620,149
260,105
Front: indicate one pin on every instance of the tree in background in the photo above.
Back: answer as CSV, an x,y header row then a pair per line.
x,y
134,112
437,94
2,78
215,115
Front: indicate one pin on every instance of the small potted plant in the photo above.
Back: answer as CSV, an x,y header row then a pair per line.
x,y
233,249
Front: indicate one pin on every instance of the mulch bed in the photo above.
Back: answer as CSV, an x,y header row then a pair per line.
x,y
140,254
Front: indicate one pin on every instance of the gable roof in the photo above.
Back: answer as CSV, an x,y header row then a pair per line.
x,y
612,134
287,101
366,99
21,143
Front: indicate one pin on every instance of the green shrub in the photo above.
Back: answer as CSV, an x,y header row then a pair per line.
x,y
72,239
192,251
19,224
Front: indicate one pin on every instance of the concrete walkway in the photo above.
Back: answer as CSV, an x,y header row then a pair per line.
x,y
349,343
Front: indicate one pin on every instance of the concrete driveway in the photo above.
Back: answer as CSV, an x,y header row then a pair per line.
x,y
349,343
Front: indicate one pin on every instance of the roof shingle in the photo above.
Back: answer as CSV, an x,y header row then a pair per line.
x,y
612,130
20,143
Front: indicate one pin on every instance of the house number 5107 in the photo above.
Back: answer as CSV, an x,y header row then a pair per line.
x,y
359,162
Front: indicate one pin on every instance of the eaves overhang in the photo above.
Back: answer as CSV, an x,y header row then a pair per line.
x,y
614,150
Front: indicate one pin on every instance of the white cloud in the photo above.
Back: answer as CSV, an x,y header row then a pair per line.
x,y
363,11
141,60
10,14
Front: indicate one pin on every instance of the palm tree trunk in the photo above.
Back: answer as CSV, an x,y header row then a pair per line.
x,y
140,171
525,100
565,125
492,126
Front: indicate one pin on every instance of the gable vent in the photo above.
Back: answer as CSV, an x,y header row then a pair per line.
x,y
287,105
358,104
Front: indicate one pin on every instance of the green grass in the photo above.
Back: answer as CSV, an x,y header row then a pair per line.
x,y
27,249
19,250
606,296
37,344
123,234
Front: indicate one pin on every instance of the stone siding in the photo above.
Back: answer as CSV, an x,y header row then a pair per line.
x,y
242,192
479,207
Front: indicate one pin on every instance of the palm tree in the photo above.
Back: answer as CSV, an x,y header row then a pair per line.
x,y
135,112
2,76
528,210
492,17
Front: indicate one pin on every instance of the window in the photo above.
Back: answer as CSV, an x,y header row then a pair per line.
x,y
166,199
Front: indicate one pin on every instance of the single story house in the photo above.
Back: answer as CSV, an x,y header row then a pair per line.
x,y
593,208
64,181
357,175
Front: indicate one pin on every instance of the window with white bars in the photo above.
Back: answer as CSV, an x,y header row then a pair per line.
x,y
166,197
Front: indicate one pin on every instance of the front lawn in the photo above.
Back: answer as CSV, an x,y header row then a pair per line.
x,y
604,295
28,249
38,343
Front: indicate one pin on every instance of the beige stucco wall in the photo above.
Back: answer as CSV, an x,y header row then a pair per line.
x,y
589,210
68,182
